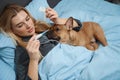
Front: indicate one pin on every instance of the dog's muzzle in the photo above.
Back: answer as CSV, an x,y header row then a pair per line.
x,y
51,35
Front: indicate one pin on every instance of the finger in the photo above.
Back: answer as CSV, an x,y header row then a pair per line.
x,y
32,49
49,14
32,38
31,42
29,46
53,17
49,9
36,45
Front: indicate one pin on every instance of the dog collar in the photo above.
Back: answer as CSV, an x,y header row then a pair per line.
x,y
77,28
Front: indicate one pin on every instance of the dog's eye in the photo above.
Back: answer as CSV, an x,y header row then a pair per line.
x,y
57,29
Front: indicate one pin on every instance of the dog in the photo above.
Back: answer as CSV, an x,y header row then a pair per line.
x,y
87,36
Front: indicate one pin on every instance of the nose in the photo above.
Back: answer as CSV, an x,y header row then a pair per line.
x,y
27,25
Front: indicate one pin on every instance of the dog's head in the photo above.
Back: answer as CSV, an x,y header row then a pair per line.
x,y
61,32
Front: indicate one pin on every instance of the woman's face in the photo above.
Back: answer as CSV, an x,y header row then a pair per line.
x,y
22,24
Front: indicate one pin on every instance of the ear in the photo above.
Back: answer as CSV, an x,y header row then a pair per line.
x,y
69,23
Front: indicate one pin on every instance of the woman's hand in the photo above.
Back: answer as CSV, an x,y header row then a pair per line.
x,y
33,49
51,14
35,56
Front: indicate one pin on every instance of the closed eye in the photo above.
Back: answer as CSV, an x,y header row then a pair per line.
x,y
19,25
27,18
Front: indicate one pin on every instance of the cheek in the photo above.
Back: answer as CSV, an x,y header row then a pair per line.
x,y
20,31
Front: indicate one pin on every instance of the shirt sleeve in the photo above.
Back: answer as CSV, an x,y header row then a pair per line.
x,y
21,63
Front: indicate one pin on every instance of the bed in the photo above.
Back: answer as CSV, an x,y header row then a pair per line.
x,y
65,62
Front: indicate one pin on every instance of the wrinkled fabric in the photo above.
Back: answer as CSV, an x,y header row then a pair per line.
x,y
67,62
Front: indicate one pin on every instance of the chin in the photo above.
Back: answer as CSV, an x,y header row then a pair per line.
x,y
29,34
32,33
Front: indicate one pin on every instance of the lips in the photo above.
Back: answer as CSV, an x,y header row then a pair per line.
x,y
30,30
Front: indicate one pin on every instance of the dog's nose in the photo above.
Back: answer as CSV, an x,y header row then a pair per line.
x,y
48,34
51,35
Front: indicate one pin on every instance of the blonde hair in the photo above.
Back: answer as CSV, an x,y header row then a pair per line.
x,y
5,23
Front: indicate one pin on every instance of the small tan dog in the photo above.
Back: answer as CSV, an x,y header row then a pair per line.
x,y
86,36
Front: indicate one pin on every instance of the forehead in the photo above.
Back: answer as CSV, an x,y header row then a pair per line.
x,y
19,17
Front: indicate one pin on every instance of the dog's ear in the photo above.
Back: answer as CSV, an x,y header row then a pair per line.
x,y
69,23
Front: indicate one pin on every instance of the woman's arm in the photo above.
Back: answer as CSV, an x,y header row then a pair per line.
x,y
33,70
53,16
35,56
26,61
25,68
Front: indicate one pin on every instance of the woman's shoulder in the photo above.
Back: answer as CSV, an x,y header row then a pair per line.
x,y
21,55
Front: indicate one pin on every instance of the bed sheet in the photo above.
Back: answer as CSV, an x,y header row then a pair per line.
x,y
7,48
65,62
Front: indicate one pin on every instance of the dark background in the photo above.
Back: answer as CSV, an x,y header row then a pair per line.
x,y
3,3
52,3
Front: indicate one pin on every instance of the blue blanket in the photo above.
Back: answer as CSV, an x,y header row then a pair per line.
x,y
67,62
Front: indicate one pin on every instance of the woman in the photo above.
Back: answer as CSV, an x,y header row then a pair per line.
x,y
23,28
